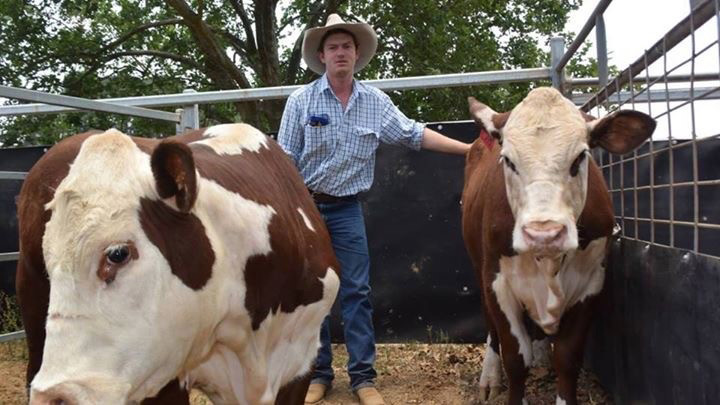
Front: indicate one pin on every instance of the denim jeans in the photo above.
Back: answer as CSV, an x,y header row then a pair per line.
x,y
346,225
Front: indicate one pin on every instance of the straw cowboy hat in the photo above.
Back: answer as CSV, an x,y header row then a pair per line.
x,y
363,32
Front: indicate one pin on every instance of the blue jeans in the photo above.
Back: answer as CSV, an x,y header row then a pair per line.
x,y
346,225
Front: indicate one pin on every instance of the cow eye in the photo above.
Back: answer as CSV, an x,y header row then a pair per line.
x,y
575,166
118,255
509,164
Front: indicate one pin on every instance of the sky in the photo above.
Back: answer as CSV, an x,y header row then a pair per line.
x,y
632,26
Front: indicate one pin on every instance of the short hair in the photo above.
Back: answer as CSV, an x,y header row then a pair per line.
x,y
336,31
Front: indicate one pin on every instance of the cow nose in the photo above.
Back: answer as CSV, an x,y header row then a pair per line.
x,y
544,233
40,398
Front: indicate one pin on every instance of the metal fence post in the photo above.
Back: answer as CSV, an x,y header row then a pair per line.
x,y
189,116
602,54
557,49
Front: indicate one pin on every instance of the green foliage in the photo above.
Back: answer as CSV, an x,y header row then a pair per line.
x,y
120,48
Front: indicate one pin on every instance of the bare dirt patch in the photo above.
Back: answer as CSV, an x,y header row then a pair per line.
x,y
412,373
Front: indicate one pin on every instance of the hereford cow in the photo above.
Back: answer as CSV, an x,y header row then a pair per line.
x,y
194,261
537,219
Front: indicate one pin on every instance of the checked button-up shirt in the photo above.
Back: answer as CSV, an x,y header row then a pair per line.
x,y
333,149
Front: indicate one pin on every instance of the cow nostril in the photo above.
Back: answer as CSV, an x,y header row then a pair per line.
x,y
544,232
58,401
560,232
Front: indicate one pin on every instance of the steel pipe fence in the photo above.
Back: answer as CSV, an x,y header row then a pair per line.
x,y
282,92
85,104
665,192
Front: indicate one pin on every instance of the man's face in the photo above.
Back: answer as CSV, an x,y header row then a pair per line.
x,y
339,54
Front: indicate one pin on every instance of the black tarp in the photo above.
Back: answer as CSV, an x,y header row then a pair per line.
x,y
654,339
12,160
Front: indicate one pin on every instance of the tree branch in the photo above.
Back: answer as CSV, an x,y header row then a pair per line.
x,y
138,29
237,44
267,42
158,54
247,26
218,66
116,55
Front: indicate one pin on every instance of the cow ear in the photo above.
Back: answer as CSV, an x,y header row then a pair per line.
x,y
488,119
174,170
621,132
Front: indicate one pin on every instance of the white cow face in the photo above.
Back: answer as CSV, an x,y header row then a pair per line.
x,y
545,153
120,323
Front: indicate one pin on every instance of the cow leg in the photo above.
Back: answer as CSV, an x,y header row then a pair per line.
x,y
293,393
491,374
33,293
569,348
516,348
171,394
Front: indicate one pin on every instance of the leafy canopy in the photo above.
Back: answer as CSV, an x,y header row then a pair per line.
x,y
102,49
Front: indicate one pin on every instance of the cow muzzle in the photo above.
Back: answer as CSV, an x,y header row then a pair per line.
x,y
544,236
72,393
48,398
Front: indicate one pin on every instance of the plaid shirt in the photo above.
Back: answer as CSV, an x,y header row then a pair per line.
x,y
339,158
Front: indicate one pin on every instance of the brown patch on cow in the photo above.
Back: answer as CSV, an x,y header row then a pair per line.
x,y
485,202
181,239
174,170
597,219
500,119
288,276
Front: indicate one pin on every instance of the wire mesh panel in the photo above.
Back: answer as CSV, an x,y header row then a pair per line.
x,y
666,192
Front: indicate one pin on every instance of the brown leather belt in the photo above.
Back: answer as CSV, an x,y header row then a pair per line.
x,y
322,198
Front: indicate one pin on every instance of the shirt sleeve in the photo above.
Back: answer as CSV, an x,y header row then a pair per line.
x,y
290,134
397,129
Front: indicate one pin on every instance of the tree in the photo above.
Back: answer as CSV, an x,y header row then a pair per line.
x,y
103,48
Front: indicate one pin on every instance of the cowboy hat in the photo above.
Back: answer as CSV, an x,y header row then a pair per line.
x,y
363,32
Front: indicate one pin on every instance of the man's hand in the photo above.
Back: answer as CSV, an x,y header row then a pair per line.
x,y
438,142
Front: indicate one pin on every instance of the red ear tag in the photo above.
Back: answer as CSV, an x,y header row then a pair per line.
x,y
488,140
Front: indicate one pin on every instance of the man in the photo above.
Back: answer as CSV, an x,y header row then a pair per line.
x,y
331,128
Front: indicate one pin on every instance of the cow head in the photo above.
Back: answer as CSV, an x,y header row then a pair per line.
x,y
545,144
122,316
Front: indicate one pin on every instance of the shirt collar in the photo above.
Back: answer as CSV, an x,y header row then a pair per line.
x,y
324,85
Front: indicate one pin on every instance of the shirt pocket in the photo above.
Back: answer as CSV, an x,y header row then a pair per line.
x,y
362,143
320,139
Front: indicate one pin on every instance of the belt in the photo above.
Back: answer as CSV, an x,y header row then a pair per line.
x,y
323,198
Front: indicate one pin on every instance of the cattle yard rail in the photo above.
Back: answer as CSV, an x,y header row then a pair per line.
x,y
631,89
663,208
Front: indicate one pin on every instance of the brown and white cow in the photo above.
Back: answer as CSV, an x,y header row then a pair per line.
x,y
537,220
197,261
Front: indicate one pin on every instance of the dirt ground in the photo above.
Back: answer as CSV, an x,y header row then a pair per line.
x,y
412,373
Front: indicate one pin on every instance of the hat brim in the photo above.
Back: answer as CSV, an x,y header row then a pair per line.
x,y
364,34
